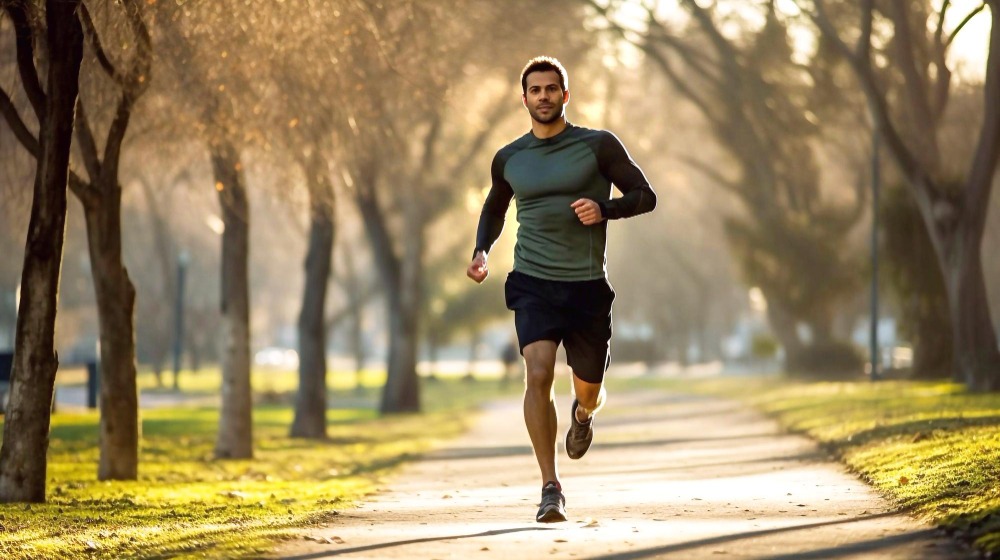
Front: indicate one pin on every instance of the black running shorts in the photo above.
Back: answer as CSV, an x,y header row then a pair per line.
x,y
576,314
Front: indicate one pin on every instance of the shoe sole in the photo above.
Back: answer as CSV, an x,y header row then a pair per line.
x,y
551,515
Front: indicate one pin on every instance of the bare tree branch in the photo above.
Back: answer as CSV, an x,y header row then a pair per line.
x,y
984,163
136,84
939,28
916,81
139,74
682,85
954,33
712,172
95,44
85,137
908,163
21,132
26,58
699,62
864,46
499,110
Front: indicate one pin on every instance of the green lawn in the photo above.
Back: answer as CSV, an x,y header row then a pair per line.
x,y
186,504
931,448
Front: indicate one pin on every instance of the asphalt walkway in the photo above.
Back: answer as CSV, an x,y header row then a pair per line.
x,y
669,476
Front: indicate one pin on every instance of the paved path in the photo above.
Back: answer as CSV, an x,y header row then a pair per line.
x,y
669,476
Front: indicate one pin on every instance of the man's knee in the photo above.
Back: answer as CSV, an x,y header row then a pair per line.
x,y
538,377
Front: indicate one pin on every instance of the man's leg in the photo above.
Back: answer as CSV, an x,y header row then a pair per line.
x,y
539,405
591,397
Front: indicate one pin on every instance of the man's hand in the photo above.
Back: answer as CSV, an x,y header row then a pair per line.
x,y
588,211
478,270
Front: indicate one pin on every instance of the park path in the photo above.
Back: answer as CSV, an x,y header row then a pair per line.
x,y
669,476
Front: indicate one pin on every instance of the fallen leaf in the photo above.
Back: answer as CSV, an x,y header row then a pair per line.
x,y
903,481
338,540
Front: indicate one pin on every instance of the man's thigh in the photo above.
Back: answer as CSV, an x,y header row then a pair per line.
x,y
588,350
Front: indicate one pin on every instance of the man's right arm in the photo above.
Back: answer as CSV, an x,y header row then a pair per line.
x,y
491,220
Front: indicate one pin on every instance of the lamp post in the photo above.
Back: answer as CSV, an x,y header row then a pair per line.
x,y
875,373
182,264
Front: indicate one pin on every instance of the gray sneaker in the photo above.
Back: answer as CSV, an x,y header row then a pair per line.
x,y
552,509
580,434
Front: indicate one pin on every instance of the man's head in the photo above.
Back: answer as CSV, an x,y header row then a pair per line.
x,y
544,64
544,87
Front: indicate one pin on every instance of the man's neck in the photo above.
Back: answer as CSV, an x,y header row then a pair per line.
x,y
548,130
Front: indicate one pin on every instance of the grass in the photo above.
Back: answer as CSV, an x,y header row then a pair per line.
x,y
931,448
186,504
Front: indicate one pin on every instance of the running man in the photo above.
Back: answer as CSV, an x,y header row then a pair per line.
x,y
561,176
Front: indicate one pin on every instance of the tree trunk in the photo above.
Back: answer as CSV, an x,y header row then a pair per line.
x,y
235,439
401,279
356,309
26,427
402,386
978,357
932,346
783,326
115,294
310,402
401,392
165,259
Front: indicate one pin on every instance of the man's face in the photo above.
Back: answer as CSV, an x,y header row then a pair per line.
x,y
544,97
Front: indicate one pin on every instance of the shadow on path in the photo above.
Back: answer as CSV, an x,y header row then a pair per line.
x,y
833,552
378,546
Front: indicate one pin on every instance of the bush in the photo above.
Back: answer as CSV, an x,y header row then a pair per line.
x,y
828,361
763,346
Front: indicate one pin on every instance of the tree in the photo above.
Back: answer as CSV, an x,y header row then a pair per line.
x,y
412,147
206,86
26,427
101,197
953,209
790,240
309,101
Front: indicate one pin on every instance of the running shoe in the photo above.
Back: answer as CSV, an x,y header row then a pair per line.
x,y
553,506
580,434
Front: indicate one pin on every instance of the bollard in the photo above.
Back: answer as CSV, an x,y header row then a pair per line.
x,y
93,384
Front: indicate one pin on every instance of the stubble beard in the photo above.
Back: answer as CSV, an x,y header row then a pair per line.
x,y
557,113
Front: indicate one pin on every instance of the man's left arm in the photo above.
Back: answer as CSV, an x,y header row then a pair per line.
x,y
617,166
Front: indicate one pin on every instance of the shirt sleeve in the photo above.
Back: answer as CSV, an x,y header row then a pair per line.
x,y
495,209
617,166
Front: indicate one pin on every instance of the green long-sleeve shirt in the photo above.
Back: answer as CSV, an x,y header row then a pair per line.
x,y
545,176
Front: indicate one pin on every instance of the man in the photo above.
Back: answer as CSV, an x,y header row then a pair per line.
x,y
561,177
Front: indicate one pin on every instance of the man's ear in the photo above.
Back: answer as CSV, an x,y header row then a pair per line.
x,y
524,99
565,97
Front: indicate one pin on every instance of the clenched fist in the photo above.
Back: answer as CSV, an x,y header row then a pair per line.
x,y
588,211
478,270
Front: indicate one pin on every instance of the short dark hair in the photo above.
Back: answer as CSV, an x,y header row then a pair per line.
x,y
544,64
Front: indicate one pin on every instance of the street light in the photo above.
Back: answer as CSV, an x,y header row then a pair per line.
x,y
183,259
875,373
